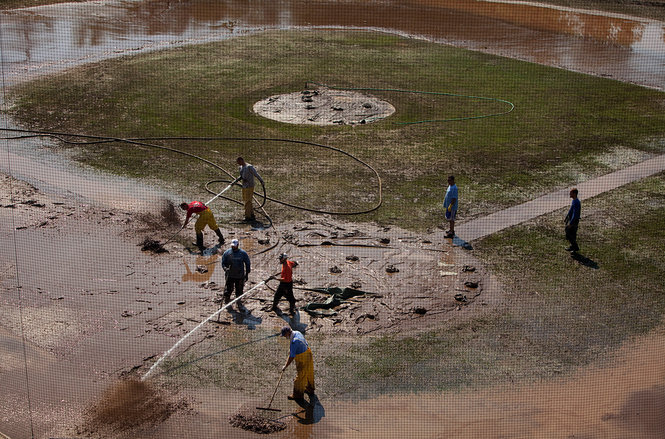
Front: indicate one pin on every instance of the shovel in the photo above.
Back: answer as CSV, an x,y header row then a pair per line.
x,y
273,396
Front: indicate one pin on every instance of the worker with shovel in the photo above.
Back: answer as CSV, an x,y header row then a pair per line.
x,y
206,218
300,352
236,265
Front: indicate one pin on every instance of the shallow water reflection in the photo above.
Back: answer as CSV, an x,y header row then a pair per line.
x,y
41,40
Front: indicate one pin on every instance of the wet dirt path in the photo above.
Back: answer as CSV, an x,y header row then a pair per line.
x,y
485,226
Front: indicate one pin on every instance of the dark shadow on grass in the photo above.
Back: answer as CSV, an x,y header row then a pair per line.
x,y
294,321
584,260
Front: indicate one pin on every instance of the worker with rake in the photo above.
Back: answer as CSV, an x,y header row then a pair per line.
x,y
206,218
300,352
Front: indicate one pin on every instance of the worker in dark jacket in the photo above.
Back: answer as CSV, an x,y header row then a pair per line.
x,y
237,267
572,221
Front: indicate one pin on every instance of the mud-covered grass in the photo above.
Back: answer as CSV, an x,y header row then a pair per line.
x,y
561,313
562,124
569,309
14,4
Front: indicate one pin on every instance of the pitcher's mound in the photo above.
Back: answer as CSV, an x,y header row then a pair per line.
x,y
324,106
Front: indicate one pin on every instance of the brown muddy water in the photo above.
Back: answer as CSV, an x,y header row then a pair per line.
x,y
44,39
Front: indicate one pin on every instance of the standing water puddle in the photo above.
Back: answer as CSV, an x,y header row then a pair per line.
x,y
45,39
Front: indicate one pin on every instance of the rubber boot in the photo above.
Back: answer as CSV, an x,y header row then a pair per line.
x,y
199,242
220,236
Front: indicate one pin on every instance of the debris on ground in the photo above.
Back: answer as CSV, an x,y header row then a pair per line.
x,y
128,404
153,246
337,297
392,269
256,423
324,106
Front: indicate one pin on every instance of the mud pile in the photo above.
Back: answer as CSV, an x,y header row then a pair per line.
x,y
128,404
151,245
256,423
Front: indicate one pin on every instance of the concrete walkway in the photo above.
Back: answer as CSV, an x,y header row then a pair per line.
x,y
481,227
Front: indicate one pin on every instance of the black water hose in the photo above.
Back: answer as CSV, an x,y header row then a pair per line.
x,y
142,141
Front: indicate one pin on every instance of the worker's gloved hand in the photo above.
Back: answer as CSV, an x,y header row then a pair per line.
x,y
271,277
246,277
283,368
450,207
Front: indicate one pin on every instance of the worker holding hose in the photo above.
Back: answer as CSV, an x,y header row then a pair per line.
x,y
285,288
206,218
300,352
247,174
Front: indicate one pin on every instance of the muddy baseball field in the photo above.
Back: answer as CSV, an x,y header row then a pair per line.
x,y
114,327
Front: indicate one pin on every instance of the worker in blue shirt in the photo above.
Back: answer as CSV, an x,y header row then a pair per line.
x,y
300,352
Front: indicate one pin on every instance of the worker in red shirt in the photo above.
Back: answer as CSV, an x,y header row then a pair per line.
x,y
206,218
285,288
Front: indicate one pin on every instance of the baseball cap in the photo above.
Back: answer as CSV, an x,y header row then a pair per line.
x,y
283,256
235,243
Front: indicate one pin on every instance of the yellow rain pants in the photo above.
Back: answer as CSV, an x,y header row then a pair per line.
x,y
206,218
304,381
247,198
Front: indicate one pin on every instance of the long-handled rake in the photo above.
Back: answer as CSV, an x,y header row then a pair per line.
x,y
273,396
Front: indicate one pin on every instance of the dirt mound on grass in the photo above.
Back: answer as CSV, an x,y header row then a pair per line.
x,y
128,404
324,106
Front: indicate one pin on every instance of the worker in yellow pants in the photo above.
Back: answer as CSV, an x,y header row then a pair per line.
x,y
300,352
206,218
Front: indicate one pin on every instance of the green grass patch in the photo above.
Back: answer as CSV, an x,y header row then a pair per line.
x,y
570,310
563,124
